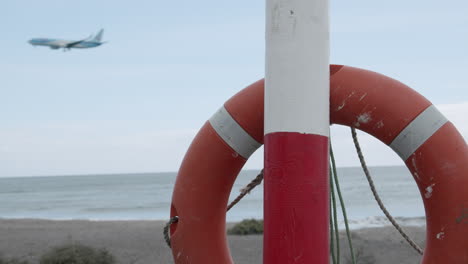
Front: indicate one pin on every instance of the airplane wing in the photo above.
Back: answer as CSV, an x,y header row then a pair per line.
x,y
74,43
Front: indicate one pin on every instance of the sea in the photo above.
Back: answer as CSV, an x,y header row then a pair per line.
x,y
147,196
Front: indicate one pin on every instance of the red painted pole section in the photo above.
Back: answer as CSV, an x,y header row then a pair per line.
x,y
296,198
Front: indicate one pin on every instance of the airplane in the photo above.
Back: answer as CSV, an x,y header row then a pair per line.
x,y
89,42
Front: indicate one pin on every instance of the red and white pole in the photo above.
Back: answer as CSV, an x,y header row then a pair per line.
x,y
296,210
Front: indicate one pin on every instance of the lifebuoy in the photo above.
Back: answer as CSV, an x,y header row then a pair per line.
x,y
431,147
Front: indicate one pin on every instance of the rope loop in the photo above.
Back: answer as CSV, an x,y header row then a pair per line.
x,y
246,190
171,221
376,195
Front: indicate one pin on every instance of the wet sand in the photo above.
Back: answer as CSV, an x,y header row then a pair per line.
x,y
141,242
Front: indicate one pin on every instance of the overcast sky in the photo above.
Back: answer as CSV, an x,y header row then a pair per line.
x,y
135,103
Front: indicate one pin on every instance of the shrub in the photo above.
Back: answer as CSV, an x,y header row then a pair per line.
x,y
77,254
247,227
12,261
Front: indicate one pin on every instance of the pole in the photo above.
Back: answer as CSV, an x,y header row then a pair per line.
x,y
296,132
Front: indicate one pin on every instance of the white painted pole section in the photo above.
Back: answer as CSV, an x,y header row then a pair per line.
x,y
297,67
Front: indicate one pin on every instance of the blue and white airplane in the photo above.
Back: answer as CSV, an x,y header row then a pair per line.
x,y
89,42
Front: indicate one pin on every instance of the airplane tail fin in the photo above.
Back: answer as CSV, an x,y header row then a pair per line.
x,y
98,36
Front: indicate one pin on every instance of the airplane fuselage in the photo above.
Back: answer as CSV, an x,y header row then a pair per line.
x,y
61,43
90,42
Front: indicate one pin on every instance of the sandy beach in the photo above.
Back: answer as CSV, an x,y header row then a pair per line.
x,y
141,242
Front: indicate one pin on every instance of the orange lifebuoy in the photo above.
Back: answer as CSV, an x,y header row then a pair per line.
x,y
430,145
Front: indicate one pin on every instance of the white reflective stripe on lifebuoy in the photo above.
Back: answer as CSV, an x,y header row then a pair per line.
x,y
233,134
417,132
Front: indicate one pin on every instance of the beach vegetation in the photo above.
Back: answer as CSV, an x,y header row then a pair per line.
x,y
77,254
247,227
12,261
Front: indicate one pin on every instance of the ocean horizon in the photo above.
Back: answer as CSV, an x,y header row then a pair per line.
x,y
147,196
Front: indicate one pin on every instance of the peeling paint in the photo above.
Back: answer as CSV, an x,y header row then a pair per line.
x,y
416,170
344,102
440,235
413,161
275,18
298,258
379,124
448,166
463,217
341,106
364,118
363,96
429,191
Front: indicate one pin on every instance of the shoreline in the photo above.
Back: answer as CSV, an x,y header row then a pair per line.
x,y
354,224
141,241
